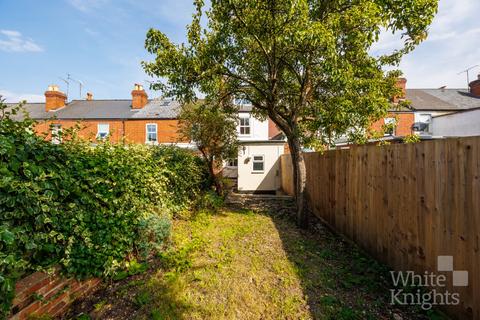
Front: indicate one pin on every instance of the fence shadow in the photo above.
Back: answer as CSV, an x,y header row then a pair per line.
x,y
406,205
338,280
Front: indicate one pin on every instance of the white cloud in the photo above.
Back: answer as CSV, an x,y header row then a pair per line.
x,y
451,46
11,33
387,43
17,97
87,5
14,41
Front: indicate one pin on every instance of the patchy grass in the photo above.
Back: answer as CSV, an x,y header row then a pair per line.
x,y
246,265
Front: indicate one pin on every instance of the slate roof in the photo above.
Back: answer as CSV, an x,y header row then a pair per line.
x,y
421,100
106,109
442,99
429,99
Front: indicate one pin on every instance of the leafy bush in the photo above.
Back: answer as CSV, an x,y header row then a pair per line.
x,y
209,201
182,170
85,208
411,138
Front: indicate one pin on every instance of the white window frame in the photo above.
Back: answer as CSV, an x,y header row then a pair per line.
x,y
147,132
240,126
387,121
105,125
258,161
56,132
425,118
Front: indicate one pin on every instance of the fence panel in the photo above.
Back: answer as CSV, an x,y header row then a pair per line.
x,y
406,204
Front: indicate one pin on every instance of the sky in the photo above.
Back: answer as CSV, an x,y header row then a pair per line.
x,y
101,43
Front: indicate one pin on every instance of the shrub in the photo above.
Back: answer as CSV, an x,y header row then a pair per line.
x,y
209,201
185,173
82,207
411,138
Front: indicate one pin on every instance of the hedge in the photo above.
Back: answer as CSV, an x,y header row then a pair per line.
x,y
87,209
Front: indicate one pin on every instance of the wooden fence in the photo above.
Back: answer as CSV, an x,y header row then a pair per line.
x,y
406,204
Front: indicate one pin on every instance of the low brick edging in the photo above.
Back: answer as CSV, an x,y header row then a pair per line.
x,y
47,294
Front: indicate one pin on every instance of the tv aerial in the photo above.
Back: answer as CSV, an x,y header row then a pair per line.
x,y
467,72
80,83
150,82
67,83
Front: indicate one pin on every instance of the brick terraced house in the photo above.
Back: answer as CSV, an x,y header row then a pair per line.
x,y
256,169
433,113
155,121
137,120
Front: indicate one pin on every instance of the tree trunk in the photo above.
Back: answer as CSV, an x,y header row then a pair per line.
x,y
211,171
213,176
299,179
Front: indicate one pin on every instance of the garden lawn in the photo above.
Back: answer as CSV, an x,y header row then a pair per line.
x,y
246,265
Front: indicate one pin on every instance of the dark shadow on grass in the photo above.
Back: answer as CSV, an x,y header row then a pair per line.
x,y
339,281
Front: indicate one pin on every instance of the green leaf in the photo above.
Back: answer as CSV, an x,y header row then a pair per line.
x,y
7,237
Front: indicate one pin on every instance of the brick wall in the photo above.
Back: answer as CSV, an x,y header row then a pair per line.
x,y
43,294
404,123
273,130
133,130
88,128
167,130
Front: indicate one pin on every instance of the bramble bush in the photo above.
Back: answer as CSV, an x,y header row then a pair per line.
x,y
87,209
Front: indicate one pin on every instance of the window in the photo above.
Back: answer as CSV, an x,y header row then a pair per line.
x,y
425,120
103,129
258,163
242,102
389,125
244,126
151,132
232,163
56,130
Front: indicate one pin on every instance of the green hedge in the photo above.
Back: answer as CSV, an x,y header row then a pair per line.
x,y
85,208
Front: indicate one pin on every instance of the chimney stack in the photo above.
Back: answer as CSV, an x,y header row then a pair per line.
x,y
402,85
89,96
475,87
54,98
139,97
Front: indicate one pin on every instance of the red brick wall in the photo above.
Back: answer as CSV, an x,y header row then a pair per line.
x,y
167,130
404,123
43,294
475,87
272,129
88,128
133,130
54,100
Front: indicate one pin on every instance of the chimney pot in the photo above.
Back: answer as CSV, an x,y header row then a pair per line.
x,y
54,98
139,97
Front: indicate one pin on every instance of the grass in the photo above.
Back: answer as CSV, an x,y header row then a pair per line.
x,y
246,265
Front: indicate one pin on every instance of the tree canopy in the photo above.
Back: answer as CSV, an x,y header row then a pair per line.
x,y
213,128
306,64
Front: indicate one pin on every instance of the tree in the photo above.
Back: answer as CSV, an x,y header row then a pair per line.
x,y
213,128
306,64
